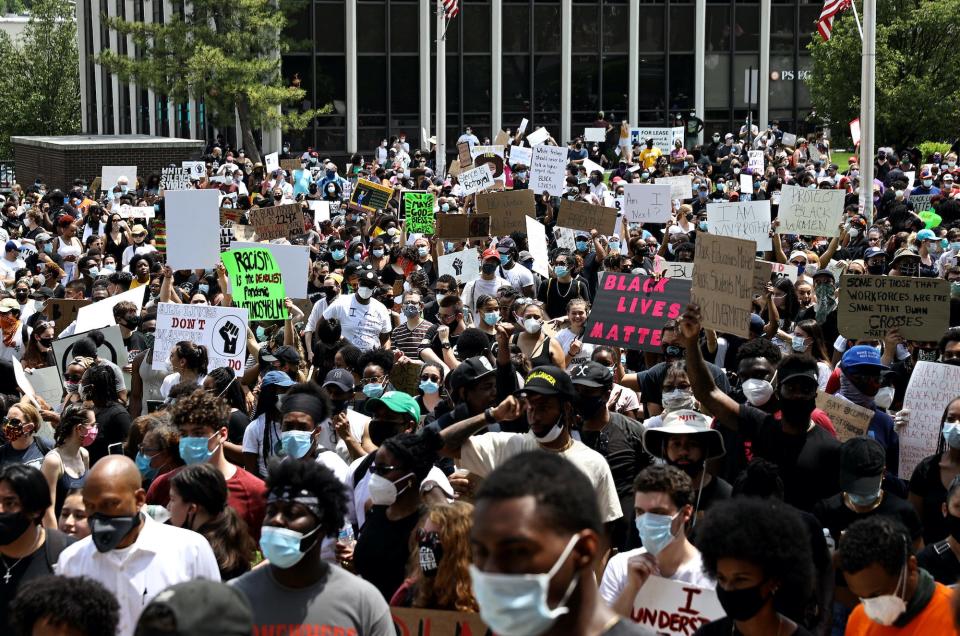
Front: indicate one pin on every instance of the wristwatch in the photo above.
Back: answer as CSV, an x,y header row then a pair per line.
x,y
445,345
489,416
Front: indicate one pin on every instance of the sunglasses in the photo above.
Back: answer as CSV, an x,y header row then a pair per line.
x,y
382,470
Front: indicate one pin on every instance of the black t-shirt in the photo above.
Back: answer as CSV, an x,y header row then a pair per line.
x,y
113,424
32,455
383,549
725,627
621,444
31,567
837,517
940,561
808,463
555,295
714,492
925,482
236,426
135,344
651,381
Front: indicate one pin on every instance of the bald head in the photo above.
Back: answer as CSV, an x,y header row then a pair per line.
x,y
116,470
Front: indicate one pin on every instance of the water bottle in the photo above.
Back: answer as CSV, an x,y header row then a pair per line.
x,y
345,537
829,539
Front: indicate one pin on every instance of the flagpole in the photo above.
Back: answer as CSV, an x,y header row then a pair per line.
x,y
441,159
867,71
856,16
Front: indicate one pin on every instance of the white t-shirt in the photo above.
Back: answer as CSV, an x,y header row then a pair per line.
x,y
315,314
482,454
615,575
253,440
565,337
360,324
479,287
9,268
328,547
518,277
173,380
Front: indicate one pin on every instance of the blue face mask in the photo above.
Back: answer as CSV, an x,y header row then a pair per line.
x,y
48,248
702,194
429,386
377,253
373,390
561,271
337,254
260,334
296,444
581,246
203,289
614,245
951,434
195,450
282,546
702,226
357,256
448,247
491,318
863,500
422,251
504,259
143,465
656,531
927,183
445,207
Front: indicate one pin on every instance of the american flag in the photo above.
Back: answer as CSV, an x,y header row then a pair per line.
x,y
451,8
830,9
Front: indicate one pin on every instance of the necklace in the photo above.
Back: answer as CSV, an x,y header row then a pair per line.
x,y
8,576
569,287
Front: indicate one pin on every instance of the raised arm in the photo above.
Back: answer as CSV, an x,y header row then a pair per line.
x,y
718,403
456,434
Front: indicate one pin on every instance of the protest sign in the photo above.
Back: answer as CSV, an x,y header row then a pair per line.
x,y
418,212
932,387
127,211
681,187
594,134
674,607
723,282
174,178
502,139
256,283
292,260
463,226
463,155
755,161
63,311
855,131
476,179
454,169
788,139
580,215
412,621
244,233
647,203
746,185
538,136
673,269
227,236
193,229
921,202
548,170
631,309
524,122
565,238
110,174
810,212
197,169
291,164
478,150
271,162
663,138
321,211
405,376
112,348
849,419
46,384
463,265
592,167
100,313
222,330
279,221
229,215
911,176
869,306
742,219
507,210
370,196
767,272
537,245
521,155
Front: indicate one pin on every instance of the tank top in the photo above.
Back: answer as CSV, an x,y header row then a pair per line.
x,y
150,379
541,359
66,483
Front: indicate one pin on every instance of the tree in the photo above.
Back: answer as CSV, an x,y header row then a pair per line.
x,y
227,53
917,68
40,83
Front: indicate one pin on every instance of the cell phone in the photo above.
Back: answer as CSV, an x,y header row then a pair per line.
x,y
115,449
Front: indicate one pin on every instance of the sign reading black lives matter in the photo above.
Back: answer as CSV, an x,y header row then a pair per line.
x,y
222,330
174,178
631,309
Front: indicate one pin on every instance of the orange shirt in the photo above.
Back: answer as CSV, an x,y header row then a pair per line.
x,y
935,619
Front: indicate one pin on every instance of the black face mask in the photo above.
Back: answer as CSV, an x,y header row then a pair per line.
x,y
673,352
22,296
587,407
46,342
431,552
12,526
876,270
488,268
107,532
339,405
741,605
799,410
132,321
953,526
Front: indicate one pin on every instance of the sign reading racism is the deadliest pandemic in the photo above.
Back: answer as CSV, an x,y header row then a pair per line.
x,y
631,309
256,283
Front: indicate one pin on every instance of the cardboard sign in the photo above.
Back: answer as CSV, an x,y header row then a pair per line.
x,y
100,314
674,607
256,283
279,221
293,261
849,419
537,245
538,136
222,330
579,215
631,309
810,212
788,139
594,134
663,138
741,219
855,131
174,178
723,282
229,215
521,156
63,311
463,226
647,203
414,621
193,229
755,161
291,164
418,212
507,210
370,196
197,169
502,139
869,306
548,170
680,187
110,174
767,272
112,349
476,179
463,265
271,162
405,376
463,155
932,387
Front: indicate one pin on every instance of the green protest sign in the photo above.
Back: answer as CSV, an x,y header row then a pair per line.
x,y
256,283
420,217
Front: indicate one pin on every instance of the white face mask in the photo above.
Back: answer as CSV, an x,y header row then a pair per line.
x,y
884,397
383,492
757,392
677,399
365,292
516,604
884,610
532,325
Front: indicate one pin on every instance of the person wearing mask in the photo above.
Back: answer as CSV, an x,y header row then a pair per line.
x,y
65,467
263,432
519,277
344,431
926,186
558,290
537,348
929,250
297,589
896,595
860,380
154,555
549,588
663,502
906,262
824,311
158,452
759,554
487,284
223,383
39,351
942,559
622,400
927,492
73,516
24,444
364,321
808,338
198,502
430,392
413,336
450,326
98,385
14,339
28,551
139,247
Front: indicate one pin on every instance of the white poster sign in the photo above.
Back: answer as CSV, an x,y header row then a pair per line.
x,y
565,238
100,314
538,136
647,203
293,261
537,244
478,150
755,161
110,174
788,139
222,330
463,265
681,187
271,162
193,229
592,166
135,212
46,384
476,179
673,269
198,169
112,348
548,170
663,138
810,212
746,184
745,220
932,386
321,211
521,155
674,607
523,125
594,134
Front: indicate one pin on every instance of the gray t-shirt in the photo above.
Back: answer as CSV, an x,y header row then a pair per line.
x,y
340,602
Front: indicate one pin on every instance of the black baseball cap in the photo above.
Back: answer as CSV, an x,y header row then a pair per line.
x,y
369,279
205,608
470,370
795,367
549,380
284,353
862,460
591,374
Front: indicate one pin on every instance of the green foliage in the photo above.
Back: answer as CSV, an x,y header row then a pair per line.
x,y
917,72
40,82
14,7
226,53
927,148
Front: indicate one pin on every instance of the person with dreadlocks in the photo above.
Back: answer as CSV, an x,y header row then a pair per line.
x,y
113,420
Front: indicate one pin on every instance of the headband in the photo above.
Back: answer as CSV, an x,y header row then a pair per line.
x,y
305,403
